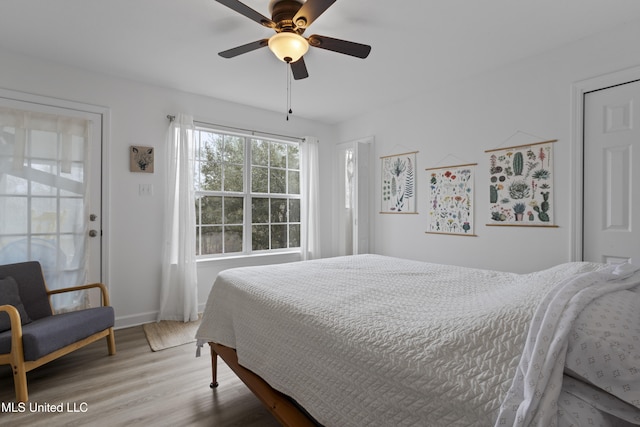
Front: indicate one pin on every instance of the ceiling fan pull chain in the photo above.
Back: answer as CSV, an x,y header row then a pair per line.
x,y
289,110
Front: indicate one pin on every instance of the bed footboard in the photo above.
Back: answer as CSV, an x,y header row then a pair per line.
x,y
280,406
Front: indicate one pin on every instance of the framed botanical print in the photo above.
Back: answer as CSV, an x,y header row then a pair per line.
x,y
451,200
398,189
521,185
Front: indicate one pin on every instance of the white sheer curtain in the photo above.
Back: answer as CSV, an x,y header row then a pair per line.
x,y
179,292
309,242
44,184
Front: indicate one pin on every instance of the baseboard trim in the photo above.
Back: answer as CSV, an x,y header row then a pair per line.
x,y
142,318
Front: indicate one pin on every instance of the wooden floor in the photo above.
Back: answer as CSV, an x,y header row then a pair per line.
x,y
134,387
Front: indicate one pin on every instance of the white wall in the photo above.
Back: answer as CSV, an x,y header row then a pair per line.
x,y
458,122
461,120
138,117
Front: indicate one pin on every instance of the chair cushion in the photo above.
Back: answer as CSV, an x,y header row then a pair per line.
x,y
9,295
46,335
33,291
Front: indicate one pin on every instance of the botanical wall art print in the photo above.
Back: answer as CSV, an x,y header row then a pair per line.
x,y
521,185
451,200
399,183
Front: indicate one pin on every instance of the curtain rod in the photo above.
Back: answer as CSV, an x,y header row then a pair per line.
x,y
251,131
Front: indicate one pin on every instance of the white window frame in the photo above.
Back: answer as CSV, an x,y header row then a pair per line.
x,y
247,195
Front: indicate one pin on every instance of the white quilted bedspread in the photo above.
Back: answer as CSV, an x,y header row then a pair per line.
x,y
377,341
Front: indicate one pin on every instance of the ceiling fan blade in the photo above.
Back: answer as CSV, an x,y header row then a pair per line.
x,y
341,46
299,69
245,10
310,11
244,48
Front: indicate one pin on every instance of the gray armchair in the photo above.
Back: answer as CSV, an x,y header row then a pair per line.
x,y
31,335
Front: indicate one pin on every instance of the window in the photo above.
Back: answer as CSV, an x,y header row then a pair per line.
x,y
247,193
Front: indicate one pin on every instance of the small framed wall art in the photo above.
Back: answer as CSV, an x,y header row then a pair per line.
x,y
141,159
398,189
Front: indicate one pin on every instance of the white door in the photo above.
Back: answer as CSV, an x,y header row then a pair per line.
x,y
346,198
364,211
50,194
355,177
611,206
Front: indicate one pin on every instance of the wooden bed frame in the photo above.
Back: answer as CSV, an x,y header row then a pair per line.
x,y
280,406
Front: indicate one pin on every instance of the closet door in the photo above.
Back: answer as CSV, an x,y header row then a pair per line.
x,y
612,174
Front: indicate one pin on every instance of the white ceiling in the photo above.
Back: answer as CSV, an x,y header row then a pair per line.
x,y
416,44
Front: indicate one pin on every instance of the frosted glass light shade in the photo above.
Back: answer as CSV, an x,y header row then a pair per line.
x,y
288,47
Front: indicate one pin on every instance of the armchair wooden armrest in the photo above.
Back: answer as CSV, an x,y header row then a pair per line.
x,y
103,291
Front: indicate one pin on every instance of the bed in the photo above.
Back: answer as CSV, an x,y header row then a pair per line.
x,y
374,340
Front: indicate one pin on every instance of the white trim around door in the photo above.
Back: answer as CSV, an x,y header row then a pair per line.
x,y
578,91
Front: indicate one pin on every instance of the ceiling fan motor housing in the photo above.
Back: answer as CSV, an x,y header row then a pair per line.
x,y
282,13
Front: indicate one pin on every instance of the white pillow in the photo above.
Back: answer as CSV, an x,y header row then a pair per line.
x,y
604,345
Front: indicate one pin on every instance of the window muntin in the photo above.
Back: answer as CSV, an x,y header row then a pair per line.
x,y
247,194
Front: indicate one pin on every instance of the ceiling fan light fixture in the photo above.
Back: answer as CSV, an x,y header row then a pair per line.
x,y
288,46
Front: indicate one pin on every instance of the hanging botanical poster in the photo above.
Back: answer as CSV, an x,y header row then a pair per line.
x,y
451,200
521,185
399,183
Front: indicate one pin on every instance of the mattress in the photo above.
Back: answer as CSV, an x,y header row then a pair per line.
x,y
373,340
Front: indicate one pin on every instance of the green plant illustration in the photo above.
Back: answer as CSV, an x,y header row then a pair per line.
x,y
400,202
493,194
519,189
543,208
408,186
530,166
541,174
530,154
398,167
518,163
386,190
519,208
494,165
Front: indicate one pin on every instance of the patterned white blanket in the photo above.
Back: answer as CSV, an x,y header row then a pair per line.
x,y
533,399
372,340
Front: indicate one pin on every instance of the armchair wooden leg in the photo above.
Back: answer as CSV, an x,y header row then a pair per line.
x,y
111,342
20,382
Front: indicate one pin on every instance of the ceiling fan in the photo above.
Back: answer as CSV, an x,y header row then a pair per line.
x,y
289,19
